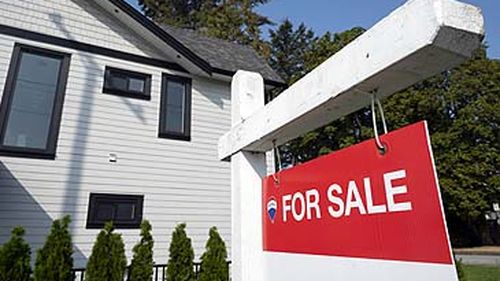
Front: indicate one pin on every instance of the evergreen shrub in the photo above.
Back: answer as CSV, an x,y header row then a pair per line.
x,y
213,261
107,261
141,268
54,260
15,257
180,263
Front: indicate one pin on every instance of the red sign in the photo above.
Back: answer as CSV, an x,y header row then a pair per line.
x,y
358,203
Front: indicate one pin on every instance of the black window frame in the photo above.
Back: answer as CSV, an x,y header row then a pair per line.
x,y
146,95
162,132
96,198
50,151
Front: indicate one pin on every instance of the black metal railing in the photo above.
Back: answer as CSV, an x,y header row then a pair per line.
x,y
159,272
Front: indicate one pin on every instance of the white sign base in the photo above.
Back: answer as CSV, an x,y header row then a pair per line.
x,y
299,267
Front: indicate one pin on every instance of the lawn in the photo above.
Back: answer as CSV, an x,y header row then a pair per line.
x,y
482,273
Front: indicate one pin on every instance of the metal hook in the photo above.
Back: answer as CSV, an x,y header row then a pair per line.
x,y
277,153
381,147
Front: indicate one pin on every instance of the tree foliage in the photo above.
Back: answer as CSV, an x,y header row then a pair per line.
x,y
328,44
54,261
181,13
288,50
340,133
462,107
180,262
213,261
107,261
15,258
231,20
141,268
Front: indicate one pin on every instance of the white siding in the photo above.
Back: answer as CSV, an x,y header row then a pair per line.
x,y
80,20
182,181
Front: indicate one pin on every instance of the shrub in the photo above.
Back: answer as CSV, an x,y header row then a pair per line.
x,y
213,261
53,260
180,263
15,258
141,268
460,270
107,261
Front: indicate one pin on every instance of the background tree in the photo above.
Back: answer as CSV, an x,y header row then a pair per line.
x,y
340,133
231,20
462,107
15,258
174,12
141,268
180,262
325,46
214,260
223,21
54,261
107,261
252,23
288,48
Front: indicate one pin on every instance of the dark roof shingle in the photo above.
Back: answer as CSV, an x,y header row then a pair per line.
x,y
224,55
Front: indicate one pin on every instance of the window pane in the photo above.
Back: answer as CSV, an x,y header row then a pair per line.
x,y
30,113
104,212
175,107
125,211
136,85
117,81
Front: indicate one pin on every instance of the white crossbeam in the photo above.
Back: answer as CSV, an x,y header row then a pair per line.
x,y
418,40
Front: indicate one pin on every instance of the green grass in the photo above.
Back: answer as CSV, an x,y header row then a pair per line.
x,y
482,273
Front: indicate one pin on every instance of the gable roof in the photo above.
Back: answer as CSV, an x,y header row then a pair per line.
x,y
209,54
225,57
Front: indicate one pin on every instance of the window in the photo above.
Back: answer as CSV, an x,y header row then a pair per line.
x,y
175,109
127,83
125,211
32,102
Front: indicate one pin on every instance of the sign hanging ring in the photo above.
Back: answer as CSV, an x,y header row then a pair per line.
x,y
374,99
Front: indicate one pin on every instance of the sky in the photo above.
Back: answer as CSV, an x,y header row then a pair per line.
x,y
338,15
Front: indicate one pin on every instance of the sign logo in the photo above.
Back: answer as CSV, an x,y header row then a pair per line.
x,y
272,207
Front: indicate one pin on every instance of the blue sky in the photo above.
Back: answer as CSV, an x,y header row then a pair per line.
x,y
339,15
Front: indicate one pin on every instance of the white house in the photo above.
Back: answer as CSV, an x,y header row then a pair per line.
x,y
106,115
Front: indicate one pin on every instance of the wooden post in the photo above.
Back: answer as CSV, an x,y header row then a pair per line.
x,y
247,170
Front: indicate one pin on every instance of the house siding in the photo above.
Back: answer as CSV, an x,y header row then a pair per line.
x,y
181,181
80,20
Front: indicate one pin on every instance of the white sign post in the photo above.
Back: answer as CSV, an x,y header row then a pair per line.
x,y
418,40
247,170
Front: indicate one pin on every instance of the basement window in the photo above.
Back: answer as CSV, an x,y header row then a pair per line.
x,y
32,102
125,211
127,83
175,108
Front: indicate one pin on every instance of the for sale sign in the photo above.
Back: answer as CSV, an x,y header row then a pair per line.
x,y
358,215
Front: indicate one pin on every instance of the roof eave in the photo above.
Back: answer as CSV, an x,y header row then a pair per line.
x,y
163,35
199,66
269,82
